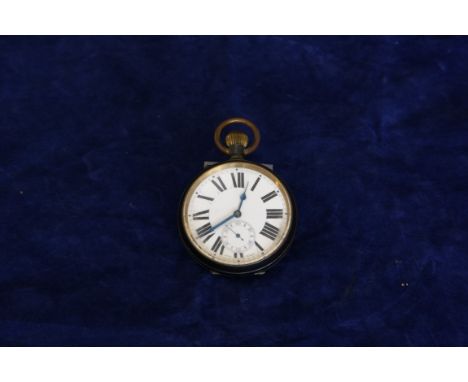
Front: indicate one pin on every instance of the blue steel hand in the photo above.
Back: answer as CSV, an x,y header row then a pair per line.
x,y
243,197
222,222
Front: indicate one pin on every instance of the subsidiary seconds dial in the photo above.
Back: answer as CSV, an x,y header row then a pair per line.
x,y
238,236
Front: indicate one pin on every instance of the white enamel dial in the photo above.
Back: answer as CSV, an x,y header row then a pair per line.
x,y
237,213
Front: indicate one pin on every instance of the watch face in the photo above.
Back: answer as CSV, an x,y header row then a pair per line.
x,y
237,214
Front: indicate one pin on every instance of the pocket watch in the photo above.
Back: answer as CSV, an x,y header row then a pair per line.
x,y
237,217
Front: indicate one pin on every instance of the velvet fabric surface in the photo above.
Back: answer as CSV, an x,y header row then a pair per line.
x,y
99,136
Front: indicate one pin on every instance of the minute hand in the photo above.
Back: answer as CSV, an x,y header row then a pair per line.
x,y
222,222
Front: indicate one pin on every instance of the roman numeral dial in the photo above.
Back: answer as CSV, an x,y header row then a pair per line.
x,y
237,214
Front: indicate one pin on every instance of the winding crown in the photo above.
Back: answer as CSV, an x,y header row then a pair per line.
x,y
237,138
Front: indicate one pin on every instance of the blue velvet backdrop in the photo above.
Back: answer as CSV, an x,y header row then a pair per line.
x,y
100,135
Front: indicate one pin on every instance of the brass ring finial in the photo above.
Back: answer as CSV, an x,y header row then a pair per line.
x,y
242,121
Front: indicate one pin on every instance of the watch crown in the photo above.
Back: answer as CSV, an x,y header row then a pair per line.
x,y
237,138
